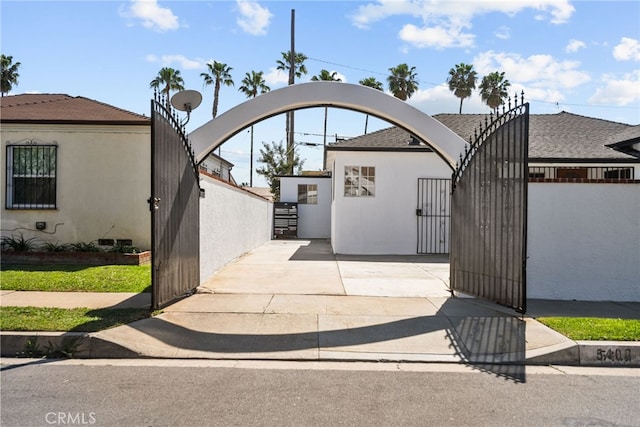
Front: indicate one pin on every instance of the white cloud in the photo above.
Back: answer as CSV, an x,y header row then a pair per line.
x,y
153,16
574,46
536,70
438,37
618,91
182,61
628,49
503,33
276,77
443,22
254,19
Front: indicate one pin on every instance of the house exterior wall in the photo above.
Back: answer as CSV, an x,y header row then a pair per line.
x,y
386,223
103,183
314,221
584,241
232,222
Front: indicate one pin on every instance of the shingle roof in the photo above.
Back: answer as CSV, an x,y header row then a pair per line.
x,y
60,108
392,138
563,135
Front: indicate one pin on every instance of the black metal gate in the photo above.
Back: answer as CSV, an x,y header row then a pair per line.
x,y
434,215
175,211
489,211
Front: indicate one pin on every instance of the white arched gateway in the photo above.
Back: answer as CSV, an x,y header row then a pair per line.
x,y
353,97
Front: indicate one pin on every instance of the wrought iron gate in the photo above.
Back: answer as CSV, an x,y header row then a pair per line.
x,y
433,213
489,211
174,203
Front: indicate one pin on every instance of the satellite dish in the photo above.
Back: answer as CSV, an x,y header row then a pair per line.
x,y
186,100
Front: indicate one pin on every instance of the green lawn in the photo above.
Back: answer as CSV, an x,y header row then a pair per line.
x,y
594,329
76,278
60,319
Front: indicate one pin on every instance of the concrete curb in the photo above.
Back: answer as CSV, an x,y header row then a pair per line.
x,y
83,345
574,353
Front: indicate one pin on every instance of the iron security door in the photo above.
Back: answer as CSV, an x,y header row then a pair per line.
x,y
175,210
434,215
489,212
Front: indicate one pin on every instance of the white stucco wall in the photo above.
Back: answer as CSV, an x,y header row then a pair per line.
x,y
584,241
314,221
386,223
232,222
103,183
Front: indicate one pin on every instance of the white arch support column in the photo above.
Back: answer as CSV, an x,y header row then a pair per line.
x,y
353,97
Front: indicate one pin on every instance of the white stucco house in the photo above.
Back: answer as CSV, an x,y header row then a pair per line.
x,y
74,170
583,204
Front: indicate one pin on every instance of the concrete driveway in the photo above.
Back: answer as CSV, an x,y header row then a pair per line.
x,y
308,267
295,300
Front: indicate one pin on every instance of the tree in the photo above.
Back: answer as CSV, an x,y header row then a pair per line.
x,y
9,74
371,82
462,81
252,85
277,161
218,74
402,81
298,70
167,80
493,89
330,76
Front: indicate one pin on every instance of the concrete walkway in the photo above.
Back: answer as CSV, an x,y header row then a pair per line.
x,y
294,300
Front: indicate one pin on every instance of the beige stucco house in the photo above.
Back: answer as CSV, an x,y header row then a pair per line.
x,y
74,170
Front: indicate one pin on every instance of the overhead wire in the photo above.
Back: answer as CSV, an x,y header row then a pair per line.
x,y
557,103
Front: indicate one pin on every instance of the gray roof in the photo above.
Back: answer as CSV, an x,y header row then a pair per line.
x,y
561,136
390,139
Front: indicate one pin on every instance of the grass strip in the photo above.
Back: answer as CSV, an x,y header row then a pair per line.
x,y
76,278
67,320
594,328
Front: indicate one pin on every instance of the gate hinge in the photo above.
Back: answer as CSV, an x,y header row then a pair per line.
x,y
154,203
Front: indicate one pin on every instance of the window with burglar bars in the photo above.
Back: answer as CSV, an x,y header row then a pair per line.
x,y
31,176
307,194
359,181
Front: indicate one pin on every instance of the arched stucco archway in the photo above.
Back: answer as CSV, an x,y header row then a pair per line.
x,y
353,97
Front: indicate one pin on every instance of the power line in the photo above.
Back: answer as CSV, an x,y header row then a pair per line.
x,y
557,103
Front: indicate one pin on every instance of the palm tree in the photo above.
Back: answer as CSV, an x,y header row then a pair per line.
x,y
330,76
218,74
402,81
299,69
252,85
462,81
167,80
9,74
371,82
493,89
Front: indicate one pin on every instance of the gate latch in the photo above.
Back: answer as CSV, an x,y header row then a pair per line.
x,y
419,212
154,203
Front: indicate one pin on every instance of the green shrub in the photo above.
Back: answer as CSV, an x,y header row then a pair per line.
x,y
19,243
124,249
85,247
56,247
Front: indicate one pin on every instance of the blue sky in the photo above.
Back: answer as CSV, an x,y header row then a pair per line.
x,y
577,56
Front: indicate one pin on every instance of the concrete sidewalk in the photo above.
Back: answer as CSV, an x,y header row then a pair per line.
x,y
294,300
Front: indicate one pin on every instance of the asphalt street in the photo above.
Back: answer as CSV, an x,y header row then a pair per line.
x,y
227,393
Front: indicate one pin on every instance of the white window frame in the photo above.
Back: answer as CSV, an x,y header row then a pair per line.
x,y
359,181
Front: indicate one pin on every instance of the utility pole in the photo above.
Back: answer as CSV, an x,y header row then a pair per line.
x,y
292,75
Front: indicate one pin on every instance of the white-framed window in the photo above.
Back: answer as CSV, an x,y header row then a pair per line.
x,y
307,194
359,181
31,176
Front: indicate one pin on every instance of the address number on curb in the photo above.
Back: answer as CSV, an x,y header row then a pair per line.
x,y
617,355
